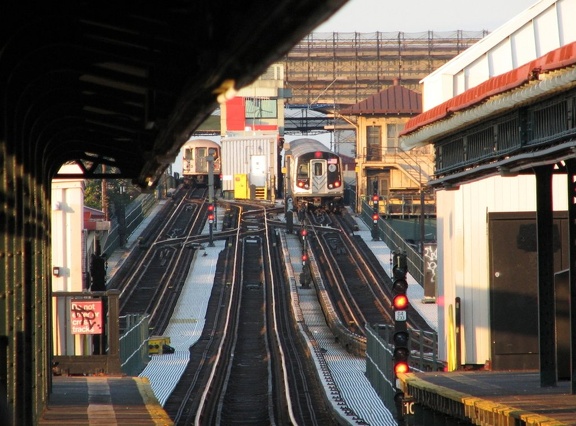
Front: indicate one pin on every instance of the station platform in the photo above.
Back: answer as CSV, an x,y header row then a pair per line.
x,y
103,400
106,400
494,397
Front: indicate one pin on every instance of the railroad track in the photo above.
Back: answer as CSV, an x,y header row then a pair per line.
x,y
249,365
359,288
151,278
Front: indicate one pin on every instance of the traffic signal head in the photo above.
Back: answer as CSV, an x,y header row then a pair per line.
x,y
400,286
303,232
210,207
400,302
400,267
375,217
400,340
304,258
401,352
210,218
401,367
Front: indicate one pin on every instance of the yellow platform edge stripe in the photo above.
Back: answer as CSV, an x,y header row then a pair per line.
x,y
157,413
476,408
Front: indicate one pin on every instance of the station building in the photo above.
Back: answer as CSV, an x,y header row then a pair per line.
x,y
501,117
399,178
77,231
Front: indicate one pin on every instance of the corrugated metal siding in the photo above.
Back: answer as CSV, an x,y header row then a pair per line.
x,y
559,58
236,154
520,38
464,268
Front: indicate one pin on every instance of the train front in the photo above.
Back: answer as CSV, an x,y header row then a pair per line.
x,y
317,182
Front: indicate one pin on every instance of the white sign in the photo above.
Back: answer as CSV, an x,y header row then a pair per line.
x,y
400,315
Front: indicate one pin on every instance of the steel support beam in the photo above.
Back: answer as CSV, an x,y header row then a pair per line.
x,y
571,176
546,307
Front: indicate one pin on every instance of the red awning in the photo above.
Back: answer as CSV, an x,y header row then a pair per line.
x,y
560,58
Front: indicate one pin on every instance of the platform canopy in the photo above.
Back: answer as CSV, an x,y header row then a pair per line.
x,y
125,83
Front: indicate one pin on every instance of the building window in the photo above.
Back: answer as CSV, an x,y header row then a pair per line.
x,y
373,147
392,132
261,108
189,154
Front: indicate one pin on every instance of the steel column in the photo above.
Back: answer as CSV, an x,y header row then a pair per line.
x,y
571,176
546,308
24,287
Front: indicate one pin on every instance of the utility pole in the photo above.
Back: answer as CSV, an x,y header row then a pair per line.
x,y
212,212
104,194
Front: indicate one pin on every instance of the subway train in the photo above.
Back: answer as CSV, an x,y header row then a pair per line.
x,y
314,177
195,163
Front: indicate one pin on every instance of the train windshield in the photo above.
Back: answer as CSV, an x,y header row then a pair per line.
x,y
303,171
318,169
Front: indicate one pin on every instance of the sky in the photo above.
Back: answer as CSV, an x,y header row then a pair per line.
x,y
423,15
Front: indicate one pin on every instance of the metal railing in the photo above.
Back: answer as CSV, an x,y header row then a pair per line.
x,y
423,347
135,213
396,243
88,339
134,354
86,332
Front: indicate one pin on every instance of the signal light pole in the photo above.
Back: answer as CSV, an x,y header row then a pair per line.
x,y
211,223
401,336
305,275
375,217
211,212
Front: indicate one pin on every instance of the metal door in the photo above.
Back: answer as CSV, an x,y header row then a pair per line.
x,y
318,176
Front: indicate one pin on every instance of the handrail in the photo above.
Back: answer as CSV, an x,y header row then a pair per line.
x,y
396,243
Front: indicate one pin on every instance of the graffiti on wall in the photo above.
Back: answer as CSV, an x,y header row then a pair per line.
x,y
430,268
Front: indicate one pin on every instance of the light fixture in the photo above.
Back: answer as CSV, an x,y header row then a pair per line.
x,y
56,271
226,91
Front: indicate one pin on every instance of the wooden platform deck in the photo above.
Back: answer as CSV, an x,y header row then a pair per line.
x,y
103,400
491,398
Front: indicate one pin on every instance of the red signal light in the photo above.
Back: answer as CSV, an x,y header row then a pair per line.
x,y
401,367
375,198
304,232
304,257
400,302
210,207
375,217
211,218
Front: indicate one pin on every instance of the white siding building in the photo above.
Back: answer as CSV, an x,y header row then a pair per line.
x,y
462,213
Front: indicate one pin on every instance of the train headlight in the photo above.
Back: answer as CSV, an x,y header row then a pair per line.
x,y
330,186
